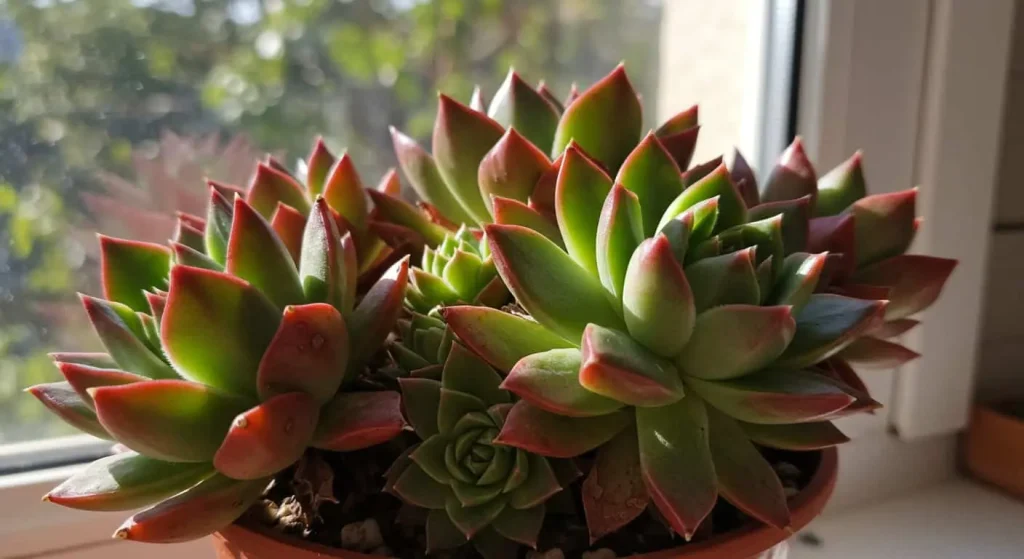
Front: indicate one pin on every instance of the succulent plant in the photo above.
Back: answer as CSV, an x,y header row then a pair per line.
x,y
475,489
505,152
670,326
867,237
224,365
460,269
423,344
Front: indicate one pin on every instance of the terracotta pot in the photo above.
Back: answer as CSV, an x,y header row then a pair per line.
x,y
241,542
995,449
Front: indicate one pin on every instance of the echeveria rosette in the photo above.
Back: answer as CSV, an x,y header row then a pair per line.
x,y
218,375
458,270
512,151
673,325
476,489
422,344
383,233
867,237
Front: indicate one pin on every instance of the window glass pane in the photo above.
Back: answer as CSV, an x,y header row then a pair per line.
x,y
113,111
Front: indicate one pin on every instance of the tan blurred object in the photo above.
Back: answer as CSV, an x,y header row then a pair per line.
x,y
995,449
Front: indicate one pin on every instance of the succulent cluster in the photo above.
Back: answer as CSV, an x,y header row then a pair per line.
x,y
582,291
228,354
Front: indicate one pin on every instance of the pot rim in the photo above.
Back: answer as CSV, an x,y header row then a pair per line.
x,y
747,541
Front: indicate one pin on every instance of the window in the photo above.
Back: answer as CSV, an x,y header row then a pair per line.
x,y
112,112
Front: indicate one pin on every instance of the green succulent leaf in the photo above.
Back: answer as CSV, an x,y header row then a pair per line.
x,y
841,187
517,105
798,280
256,254
733,340
550,380
652,174
676,464
344,192
172,420
745,478
731,209
796,215
541,432
914,281
513,212
399,212
218,227
128,268
421,170
323,270
358,420
884,224
453,405
375,316
547,283
614,493
187,256
617,367
461,138
465,372
430,456
186,234
199,511
746,181
826,325
121,333
318,165
657,303
442,533
270,186
89,359
417,488
619,232
765,234
580,192
421,400
307,354
268,438
729,279
501,338
605,120
520,525
471,520
680,122
774,396
126,481
216,328
539,485
797,436
792,177
872,353
62,399
84,377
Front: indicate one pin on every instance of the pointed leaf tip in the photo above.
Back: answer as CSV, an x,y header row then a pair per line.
x,y
792,177
606,120
511,168
461,138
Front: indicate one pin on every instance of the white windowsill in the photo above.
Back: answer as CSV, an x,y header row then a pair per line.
x,y
955,519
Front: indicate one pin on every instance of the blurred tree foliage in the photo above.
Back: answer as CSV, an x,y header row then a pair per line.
x,y
86,85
